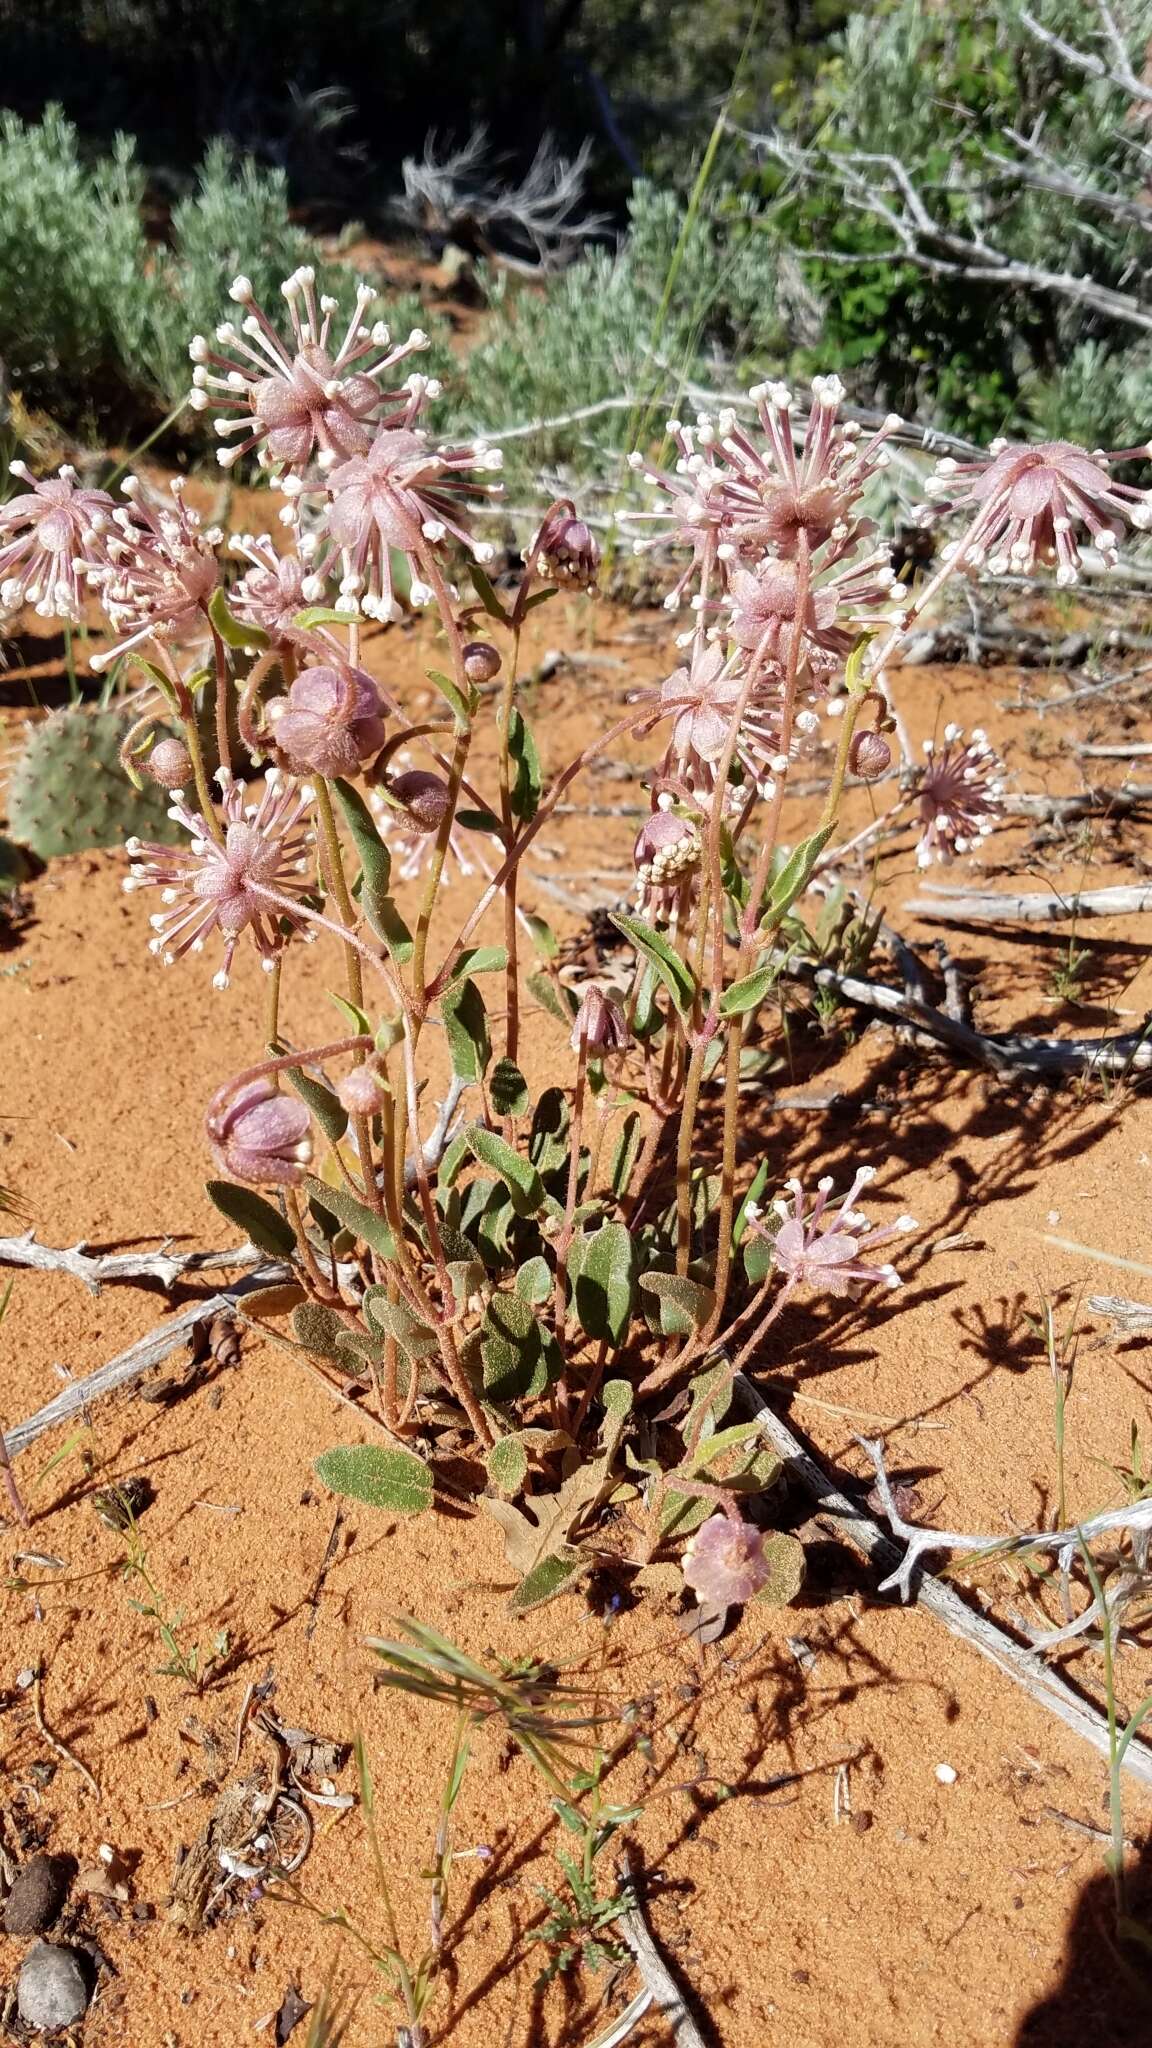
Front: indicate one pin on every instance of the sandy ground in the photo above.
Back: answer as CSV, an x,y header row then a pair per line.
x,y
906,1910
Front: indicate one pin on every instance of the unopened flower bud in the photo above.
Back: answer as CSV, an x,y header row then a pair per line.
x,y
259,1135
329,723
424,796
869,756
169,764
667,848
724,1563
565,550
599,1024
481,661
361,1092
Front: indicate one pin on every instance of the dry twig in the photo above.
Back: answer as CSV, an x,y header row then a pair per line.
x,y
985,906
93,1272
1022,1665
666,1993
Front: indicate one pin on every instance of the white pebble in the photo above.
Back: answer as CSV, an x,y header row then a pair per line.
x,y
945,1775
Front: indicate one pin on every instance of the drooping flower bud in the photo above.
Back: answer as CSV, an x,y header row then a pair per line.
x,y
424,797
869,756
481,661
360,1092
565,550
724,1563
599,1023
169,764
329,723
667,848
259,1135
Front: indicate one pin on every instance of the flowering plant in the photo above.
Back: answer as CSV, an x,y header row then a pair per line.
x,y
516,1275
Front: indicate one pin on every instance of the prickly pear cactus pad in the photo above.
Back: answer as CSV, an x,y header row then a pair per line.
x,y
67,791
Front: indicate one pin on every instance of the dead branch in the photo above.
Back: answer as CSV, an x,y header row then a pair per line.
x,y
139,1358
1023,1666
1003,1052
666,1993
1119,73
1135,750
986,907
876,183
93,1272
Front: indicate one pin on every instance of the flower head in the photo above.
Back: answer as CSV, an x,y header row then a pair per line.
x,y
49,536
329,723
668,847
248,883
704,697
423,796
776,493
274,589
1032,503
259,1135
822,1246
565,550
959,795
303,397
692,509
766,614
401,496
599,1024
410,840
724,1562
159,568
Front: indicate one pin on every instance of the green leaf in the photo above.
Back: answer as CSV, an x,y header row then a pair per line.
x,y
626,1153
518,1174
511,1344
374,857
548,1141
395,1319
524,796
382,1478
553,1575
232,630
321,615
616,1398
744,995
466,1029
605,1281
354,1014
477,960
542,935
684,1305
487,595
795,875
784,1556
507,1464
479,821
461,708
534,1280
647,1017
268,1230
557,1002
678,978
753,1197
326,1107
509,1090
317,1329
355,1215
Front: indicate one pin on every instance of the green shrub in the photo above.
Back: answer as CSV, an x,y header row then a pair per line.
x,y
94,320
600,329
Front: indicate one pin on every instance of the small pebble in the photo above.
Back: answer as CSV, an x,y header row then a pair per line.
x,y
38,1894
52,1989
945,1775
